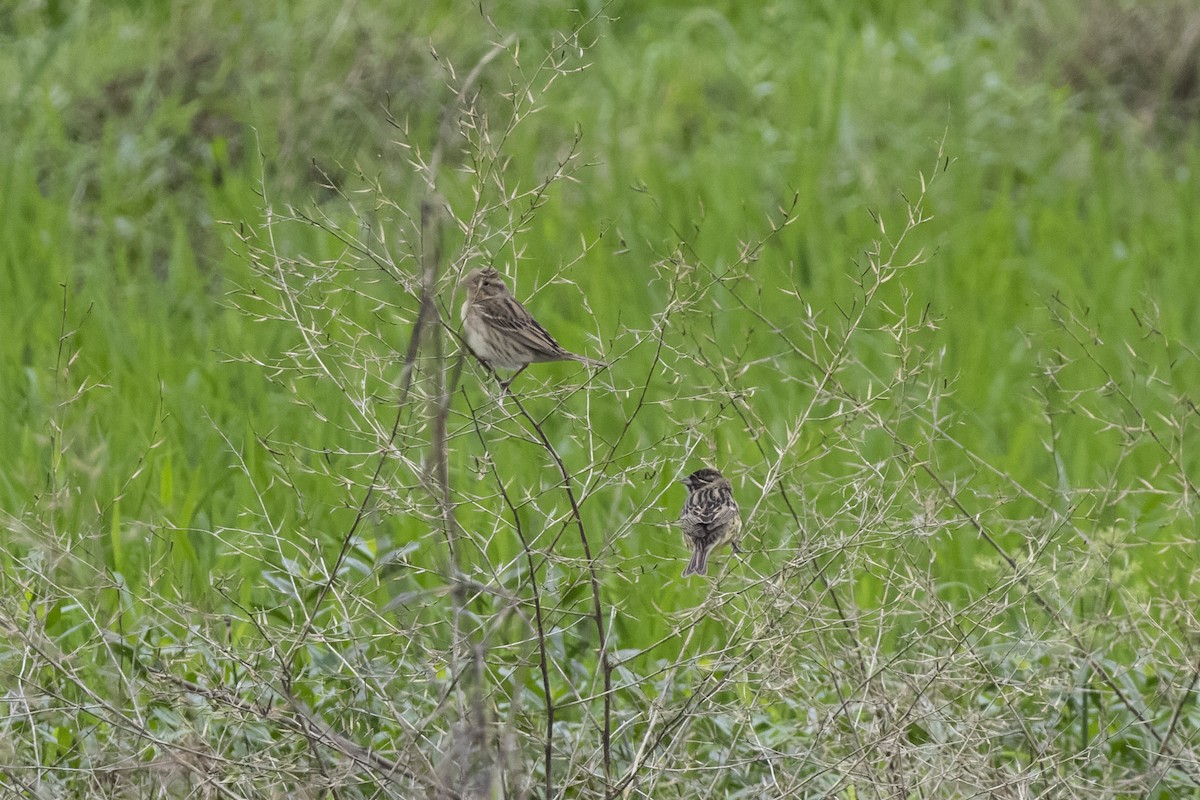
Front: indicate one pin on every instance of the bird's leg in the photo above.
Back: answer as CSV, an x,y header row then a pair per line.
x,y
505,384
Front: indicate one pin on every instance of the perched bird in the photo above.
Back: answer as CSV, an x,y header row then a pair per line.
x,y
501,332
710,517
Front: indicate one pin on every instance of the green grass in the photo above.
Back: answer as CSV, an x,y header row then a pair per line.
x,y
200,376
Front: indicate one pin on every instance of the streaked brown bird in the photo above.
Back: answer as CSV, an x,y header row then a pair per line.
x,y
501,332
710,517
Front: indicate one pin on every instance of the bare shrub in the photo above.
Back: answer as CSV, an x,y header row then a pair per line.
x,y
463,594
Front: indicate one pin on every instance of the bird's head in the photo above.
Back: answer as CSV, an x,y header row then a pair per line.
x,y
701,478
482,284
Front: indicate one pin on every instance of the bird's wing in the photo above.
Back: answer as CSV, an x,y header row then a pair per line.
x,y
508,315
712,509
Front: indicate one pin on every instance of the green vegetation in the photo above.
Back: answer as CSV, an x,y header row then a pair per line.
x,y
916,276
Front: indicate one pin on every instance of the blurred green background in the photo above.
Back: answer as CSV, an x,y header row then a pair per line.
x,y
181,450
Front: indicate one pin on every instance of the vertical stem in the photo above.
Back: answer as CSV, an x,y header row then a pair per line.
x,y
597,605
540,628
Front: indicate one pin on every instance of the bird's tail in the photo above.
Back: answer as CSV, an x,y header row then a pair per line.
x,y
699,563
588,362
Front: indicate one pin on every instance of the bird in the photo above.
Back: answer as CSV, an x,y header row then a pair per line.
x,y
501,332
710,517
